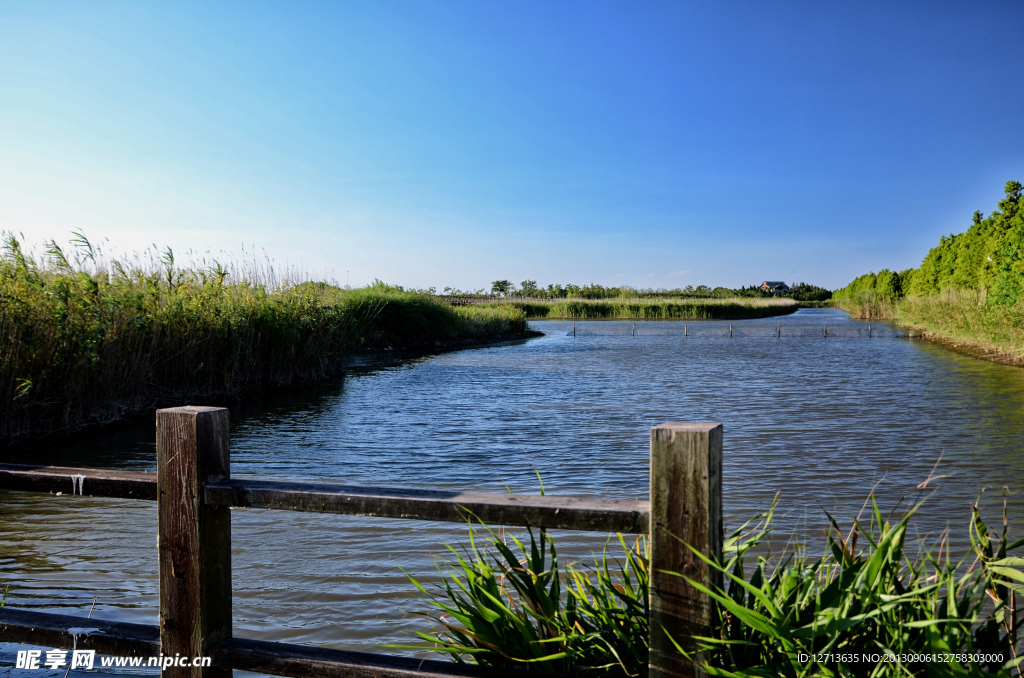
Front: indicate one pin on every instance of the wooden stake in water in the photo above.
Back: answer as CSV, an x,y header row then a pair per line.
x,y
869,330
685,331
634,329
574,328
778,330
826,330
730,330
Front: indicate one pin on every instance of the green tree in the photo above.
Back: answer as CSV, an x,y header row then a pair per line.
x,y
989,255
501,287
887,284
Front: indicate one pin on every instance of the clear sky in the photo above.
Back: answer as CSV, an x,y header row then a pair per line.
x,y
452,143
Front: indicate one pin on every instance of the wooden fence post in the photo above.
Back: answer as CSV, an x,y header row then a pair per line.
x,y
194,540
686,504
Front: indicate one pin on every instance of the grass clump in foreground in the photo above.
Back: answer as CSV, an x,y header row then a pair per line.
x,y
891,613
874,610
518,608
86,340
653,309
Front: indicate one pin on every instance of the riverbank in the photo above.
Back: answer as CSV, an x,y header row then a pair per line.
x,y
958,319
649,309
84,346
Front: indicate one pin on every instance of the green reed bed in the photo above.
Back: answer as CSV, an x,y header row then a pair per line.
x,y
653,309
961,318
871,605
868,305
86,341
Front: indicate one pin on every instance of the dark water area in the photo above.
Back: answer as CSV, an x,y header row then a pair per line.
x,y
819,420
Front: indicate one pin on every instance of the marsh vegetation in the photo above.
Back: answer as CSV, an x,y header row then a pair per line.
x,y
87,339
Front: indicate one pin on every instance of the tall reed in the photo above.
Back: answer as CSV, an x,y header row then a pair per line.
x,y
86,340
964,319
961,318
869,305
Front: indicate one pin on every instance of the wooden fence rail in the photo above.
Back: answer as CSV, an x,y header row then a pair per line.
x,y
571,513
195,492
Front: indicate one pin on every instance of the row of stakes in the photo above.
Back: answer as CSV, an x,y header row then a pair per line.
x,y
686,330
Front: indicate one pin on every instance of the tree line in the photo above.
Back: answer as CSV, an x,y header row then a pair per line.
x,y
988,256
530,289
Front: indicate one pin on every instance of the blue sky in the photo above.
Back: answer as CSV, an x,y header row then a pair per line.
x,y
452,143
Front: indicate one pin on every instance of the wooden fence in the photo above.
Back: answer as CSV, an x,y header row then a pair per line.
x,y
195,492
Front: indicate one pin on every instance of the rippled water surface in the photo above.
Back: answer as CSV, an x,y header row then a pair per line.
x,y
819,420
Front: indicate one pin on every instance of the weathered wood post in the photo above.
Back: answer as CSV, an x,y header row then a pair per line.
x,y
686,506
194,540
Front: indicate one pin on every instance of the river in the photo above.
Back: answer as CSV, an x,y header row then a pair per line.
x,y
820,420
